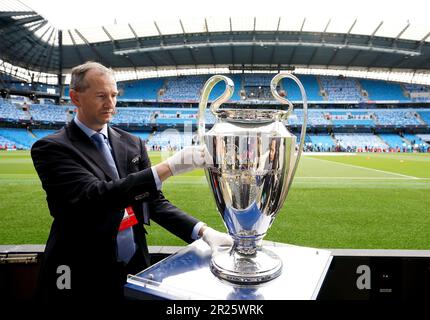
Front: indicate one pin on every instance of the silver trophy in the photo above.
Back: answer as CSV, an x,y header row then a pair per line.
x,y
254,159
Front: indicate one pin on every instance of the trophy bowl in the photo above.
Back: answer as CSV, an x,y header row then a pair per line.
x,y
253,162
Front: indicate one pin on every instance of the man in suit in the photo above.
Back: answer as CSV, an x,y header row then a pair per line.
x,y
101,190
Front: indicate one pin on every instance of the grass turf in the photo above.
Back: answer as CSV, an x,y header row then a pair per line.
x,y
336,201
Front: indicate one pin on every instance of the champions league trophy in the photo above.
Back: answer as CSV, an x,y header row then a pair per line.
x,y
254,159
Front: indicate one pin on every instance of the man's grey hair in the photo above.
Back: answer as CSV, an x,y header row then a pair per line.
x,y
78,82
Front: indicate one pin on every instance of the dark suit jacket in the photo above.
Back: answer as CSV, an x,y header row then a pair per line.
x,y
87,206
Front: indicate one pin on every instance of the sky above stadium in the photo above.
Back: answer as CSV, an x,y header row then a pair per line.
x,y
88,13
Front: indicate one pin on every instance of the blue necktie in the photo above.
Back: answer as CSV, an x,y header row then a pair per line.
x,y
125,238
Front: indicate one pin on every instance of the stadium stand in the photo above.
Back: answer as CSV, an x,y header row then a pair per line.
x,y
396,117
310,84
139,90
425,138
132,116
414,139
182,88
40,133
350,118
257,86
21,137
417,93
174,116
188,89
220,87
341,89
159,104
48,113
6,144
393,140
169,140
10,112
322,142
257,79
425,115
417,143
315,118
143,135
383,91
353,142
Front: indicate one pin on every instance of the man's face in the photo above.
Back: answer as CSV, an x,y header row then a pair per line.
x,y
96,104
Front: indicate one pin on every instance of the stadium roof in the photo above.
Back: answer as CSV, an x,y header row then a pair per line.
x,y
30,41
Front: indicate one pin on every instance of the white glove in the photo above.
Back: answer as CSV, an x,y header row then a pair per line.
x,y
188,159
216,240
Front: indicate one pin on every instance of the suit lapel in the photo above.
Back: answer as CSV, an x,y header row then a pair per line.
x,y
81,141
119,151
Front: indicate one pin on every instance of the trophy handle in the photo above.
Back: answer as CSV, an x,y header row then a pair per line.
x,y
282,100
207,89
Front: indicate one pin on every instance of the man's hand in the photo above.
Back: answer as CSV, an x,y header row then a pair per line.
x,y
188,159
216,239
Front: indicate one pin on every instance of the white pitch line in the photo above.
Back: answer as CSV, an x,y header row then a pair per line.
x,y
365,168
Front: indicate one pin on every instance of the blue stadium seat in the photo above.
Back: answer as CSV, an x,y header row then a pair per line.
x,y
383,91
49,113
393,140
360,140
21,137
425,115
139,90
396,117
310,85
323,141
341,89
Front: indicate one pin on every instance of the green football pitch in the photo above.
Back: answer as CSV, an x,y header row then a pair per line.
x,y
336,201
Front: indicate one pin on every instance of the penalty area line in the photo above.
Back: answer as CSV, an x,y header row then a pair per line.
x,y
365,168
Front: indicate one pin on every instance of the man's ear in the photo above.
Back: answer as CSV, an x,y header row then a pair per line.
x,y
74,96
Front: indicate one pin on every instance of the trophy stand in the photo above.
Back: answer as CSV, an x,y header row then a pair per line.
x,y
187,275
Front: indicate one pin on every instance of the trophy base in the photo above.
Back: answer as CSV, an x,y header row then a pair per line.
x,y
261,267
